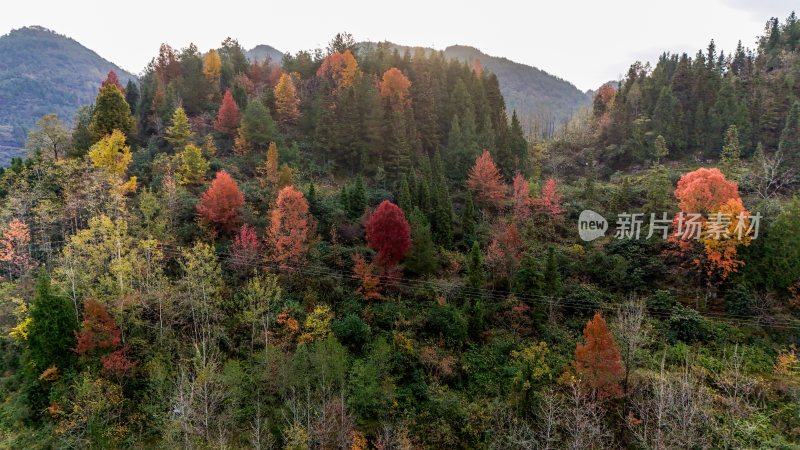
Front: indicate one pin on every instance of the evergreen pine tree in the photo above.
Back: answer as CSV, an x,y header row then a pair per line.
x,y
552,278
50,332
469,220
730,157
420,260
111,112
789,144
476,274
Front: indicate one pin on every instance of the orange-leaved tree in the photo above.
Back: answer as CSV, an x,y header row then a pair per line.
x,y
598,361
485,182
395,88
220,204
245,250
291,228
389,234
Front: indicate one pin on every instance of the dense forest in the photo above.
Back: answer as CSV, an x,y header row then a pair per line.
x,y
360,248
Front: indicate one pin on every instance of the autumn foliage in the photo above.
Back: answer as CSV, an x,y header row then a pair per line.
x,y
708,192
287,104
245,250
370,282
228,116
220,204
505,250
704,190
598,361
486,182
550,200
389,234
112,79
100,336
394,88
521,198
340,68
14,251
291,227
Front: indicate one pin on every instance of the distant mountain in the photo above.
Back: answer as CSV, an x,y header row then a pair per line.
x,y
530,91
44,72
263,52
526,89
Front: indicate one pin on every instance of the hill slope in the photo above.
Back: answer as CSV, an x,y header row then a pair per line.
x,y
43,72
527,90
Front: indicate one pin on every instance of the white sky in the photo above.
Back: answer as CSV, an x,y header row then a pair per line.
x,y
585,42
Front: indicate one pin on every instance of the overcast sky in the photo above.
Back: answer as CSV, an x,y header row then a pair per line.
x,y
585,42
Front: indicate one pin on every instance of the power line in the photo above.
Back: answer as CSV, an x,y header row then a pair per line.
x,y
175,251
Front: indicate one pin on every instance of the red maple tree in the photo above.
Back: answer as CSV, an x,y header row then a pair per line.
x,y
228,116
220,204
291,227
389,234
486,182
244,251
598,361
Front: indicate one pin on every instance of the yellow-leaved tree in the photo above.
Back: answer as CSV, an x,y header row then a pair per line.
x,y
113,156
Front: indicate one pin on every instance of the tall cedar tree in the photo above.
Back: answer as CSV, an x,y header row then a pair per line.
x,y
111,112
486,182
258,128
389,234
228,116
598,361
50,332
476,274
291,228
220,204
420,260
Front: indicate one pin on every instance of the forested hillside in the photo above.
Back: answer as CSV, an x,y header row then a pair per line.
x,y
364,250
42,72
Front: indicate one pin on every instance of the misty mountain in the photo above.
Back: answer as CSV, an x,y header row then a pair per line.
x,y
44,72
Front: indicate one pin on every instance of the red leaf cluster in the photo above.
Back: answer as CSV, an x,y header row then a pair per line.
x,y
389,234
